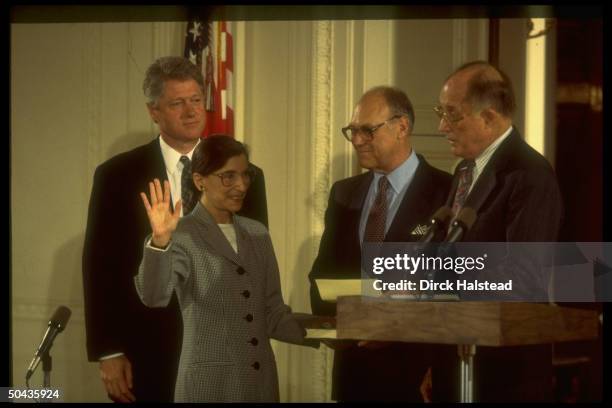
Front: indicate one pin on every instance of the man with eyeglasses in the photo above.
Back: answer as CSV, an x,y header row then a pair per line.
x,y
137,347
514,192
388,203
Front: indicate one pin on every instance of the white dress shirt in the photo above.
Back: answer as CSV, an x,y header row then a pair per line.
x,y
484,157
174,168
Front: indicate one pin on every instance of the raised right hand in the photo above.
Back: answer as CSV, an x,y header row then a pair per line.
x,y
116,374
163,221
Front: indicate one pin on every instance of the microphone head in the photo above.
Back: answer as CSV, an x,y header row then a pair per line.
x,y
466,217
442,215
60,318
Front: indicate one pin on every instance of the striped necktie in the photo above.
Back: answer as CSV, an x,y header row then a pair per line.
x,y
466,169
187,195
377,219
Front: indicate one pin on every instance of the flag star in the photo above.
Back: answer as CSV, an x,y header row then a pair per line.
x,y
195,31
192,57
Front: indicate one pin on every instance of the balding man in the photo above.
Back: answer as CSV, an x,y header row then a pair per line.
x,y
398,193
516,197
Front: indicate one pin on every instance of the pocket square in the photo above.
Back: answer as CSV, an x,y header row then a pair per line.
x,y
420,230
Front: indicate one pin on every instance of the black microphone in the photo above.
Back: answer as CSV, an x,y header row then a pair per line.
x,y
57,324
461,224
437,225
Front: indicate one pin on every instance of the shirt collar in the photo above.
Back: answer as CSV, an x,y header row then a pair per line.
x,y
483,157
402,174
172,158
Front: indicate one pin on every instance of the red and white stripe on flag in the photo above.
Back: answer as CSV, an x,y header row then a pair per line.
x,y
210,46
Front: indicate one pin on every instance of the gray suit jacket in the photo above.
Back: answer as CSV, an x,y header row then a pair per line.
x,y
231,304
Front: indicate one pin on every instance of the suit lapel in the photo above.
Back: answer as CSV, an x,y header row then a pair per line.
x,y
453,189
481,190
356,203
244,243
247,255
488,179
212,234
158,167
414,205
359,194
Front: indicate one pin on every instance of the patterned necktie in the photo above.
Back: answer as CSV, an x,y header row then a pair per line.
x,y
377,219
466,168
187,195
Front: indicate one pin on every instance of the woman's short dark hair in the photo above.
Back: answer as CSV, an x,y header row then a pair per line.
x,y
214,151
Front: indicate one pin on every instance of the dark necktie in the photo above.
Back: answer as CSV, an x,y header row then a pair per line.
x,y
466,168
187,195
377,219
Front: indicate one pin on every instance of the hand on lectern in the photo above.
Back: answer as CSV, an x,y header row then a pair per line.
x,y
426,386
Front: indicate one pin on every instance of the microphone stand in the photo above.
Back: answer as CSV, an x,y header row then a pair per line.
x,y
47,365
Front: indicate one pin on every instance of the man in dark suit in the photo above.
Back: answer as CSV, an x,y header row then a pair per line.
x,y
399,193
138,347
514,192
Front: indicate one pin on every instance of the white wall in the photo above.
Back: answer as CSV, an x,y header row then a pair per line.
x,y
76,100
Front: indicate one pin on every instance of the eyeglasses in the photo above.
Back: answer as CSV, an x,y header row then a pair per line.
x,y
350,132
449,117
229,178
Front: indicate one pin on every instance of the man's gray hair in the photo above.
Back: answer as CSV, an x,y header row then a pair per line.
x,y
488,86
167,68
397,101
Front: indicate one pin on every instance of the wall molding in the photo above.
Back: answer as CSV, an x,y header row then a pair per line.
x,y
168,38
459,48
323,35
92,83
322,120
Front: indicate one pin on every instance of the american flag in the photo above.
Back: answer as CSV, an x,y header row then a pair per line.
x,y
209,45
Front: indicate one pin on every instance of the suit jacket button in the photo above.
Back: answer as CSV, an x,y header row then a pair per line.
x,y
249,317
254,341
255,365
246,294
240,270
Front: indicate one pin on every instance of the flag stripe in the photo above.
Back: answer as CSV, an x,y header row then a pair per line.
x,y
210,46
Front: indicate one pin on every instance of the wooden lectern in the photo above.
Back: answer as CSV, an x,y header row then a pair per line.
x,y
467,324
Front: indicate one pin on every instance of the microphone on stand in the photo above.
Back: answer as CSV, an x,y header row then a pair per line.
x,y
460,225
457,230
437,225
56,325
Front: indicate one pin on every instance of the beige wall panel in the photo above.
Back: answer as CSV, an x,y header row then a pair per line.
x,y
426,52
512,58
76,101
378,54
